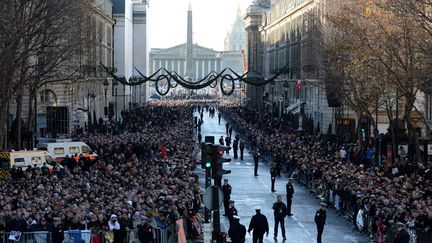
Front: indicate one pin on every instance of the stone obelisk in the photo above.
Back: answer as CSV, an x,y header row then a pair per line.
x,y
189,46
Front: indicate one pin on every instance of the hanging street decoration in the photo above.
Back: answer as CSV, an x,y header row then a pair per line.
x,y
173,79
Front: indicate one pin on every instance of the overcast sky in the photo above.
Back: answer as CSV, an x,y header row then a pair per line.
x,y
212,19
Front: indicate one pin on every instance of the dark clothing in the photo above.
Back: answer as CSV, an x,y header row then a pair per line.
x,y
57,234
235,148
227,125
403,237
232,211
145,233
242,147
219,116
259,225
221,141
237,232
273,175
230,131
226,189
279,209
289,196
256,158
320,218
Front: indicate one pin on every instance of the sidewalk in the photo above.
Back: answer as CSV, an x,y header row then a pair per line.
x,y
249,191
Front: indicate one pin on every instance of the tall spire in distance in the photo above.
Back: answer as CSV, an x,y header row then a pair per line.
x,y
189,45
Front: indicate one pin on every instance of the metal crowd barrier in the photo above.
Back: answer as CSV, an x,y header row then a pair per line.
x,y
25,237
346,207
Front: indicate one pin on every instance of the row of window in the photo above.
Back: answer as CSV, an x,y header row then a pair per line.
x,y
72,150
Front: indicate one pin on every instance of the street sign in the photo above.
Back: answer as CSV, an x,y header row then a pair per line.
x,y
209,197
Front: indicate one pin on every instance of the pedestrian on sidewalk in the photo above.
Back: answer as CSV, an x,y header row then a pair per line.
x,y
221,141
232,211
226,189
256,158
235,147
273,175
242,147
289,196
280,211
237,231
320,219
259,225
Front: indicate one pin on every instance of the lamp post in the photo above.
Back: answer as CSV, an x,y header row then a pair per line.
x,y
115,84
106,84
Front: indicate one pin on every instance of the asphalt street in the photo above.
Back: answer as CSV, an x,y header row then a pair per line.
x,y
249,191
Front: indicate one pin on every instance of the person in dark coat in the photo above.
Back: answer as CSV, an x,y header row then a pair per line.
x,y
242,147
230,131
235,148
57,231
279,209
227,125
237,231
289,196
320,218
259,225
221,141
232,211
273,174
226,189
219,116
256,158
402,236
227,142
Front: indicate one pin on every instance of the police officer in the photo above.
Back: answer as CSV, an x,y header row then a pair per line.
x,y
320,218
227,125
237,231
230,131
289,196
279,209
219,116
259,225
235,147
226,189
232,211
256,158
273,175
242,147
227,142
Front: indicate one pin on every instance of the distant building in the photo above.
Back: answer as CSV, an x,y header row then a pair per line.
x,y
235,42
188,60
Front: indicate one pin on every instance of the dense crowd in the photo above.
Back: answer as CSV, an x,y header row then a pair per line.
x,y
141,180
399,193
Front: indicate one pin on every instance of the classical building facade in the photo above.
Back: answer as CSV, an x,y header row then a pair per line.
x,y
282,34
188,60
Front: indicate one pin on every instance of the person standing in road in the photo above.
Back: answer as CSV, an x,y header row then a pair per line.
x,y
219,116
227,142
226,189
273,174
289,196
256,158
230,131
242,147
227,125
237,231
320,219
259,225
232,211
280,211
221,141
235,147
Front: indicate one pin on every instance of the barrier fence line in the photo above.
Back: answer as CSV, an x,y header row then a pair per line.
x,y
348,207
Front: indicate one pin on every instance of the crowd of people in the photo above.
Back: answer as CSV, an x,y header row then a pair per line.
x,y
385,196
141,180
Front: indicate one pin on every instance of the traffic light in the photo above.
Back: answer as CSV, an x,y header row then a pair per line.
x,y
218,160
206,155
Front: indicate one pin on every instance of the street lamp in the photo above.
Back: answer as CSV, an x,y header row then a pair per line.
x,y
106,84
115,84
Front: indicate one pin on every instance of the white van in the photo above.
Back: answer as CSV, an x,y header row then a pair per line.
x,y
17,159
59,150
